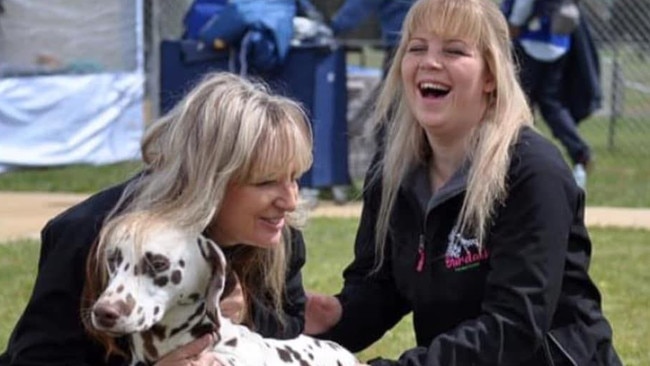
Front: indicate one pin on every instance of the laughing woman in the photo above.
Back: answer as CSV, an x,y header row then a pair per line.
x,y
471,220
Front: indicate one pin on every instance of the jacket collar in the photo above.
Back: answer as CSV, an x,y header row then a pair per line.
x,y
417,185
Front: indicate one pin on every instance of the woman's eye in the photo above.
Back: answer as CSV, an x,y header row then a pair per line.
x,y
416,48
455,51
265,183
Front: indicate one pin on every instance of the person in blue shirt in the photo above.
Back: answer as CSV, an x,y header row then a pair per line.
x,y
391,15
542,58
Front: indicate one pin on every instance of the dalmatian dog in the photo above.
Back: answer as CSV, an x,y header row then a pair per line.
x,y
164,285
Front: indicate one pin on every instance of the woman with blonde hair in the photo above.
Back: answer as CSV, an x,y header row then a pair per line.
x,y
225,161
471,219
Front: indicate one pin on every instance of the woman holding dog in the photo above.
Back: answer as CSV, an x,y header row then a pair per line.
x,y
471,220
224,161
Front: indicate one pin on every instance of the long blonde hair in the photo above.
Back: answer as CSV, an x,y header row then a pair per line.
x,y
227,129
480,21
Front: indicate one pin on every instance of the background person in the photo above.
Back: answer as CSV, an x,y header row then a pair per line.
x,y
542,59
225,160
391,15
471,219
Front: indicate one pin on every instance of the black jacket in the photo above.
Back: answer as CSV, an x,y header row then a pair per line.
x,y
50,331
525,296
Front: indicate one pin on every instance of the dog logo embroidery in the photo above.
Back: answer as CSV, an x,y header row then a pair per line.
x,y
463,253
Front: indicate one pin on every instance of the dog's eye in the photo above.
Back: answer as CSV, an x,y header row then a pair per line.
x,y
157,263
160,265
114,259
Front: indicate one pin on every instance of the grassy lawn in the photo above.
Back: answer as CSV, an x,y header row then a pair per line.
x,y
621,171
619,267
71,178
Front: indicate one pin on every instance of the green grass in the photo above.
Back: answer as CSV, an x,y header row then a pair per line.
x,y
18,260
619,267
71,178
621,171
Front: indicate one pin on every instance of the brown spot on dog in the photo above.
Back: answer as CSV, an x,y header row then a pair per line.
x,y
120,288
156,310
181,263
297,356
200,330
231,342
198,312
284,355
149,347
176,277
161,281
159,331
129,305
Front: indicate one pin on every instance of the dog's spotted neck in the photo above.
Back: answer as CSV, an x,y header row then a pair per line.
x,y
168,335
180,326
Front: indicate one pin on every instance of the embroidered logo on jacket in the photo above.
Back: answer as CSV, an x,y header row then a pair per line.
x,y
463,253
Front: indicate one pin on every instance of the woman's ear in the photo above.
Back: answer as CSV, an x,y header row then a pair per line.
x,y
489,84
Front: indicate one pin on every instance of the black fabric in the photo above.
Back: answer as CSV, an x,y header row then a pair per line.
x,y
530,286
50,331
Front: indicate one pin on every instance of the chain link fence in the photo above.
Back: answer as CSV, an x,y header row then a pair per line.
x,y
621,30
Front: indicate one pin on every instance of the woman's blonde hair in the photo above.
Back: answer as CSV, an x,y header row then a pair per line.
x,y
226,130
482,22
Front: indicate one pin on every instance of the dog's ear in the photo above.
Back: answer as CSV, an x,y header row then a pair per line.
x,y
217,260
231,282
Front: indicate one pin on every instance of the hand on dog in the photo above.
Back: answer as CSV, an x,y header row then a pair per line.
x,y
195,353
233,305
322,312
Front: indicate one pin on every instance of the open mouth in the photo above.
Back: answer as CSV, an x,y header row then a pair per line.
x,y
433,90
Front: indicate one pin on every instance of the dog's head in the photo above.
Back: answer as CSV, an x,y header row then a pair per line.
x,y
153,271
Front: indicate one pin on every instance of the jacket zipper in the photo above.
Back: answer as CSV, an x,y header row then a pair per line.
x,y
564,351
421,255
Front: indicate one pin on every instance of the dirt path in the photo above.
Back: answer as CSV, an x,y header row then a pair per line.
x,y
22,214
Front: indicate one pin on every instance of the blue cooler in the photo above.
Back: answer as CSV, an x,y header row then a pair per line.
x,y
313,75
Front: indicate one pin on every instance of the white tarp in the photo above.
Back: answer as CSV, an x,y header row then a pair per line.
x,y
56,120
71,82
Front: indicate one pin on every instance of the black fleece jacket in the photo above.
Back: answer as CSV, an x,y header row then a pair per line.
x,y
50,331
523,297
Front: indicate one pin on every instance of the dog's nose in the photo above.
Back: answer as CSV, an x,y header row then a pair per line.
x,y
106,314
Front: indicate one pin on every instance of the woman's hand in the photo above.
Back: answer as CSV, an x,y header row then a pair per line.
x,y
233,305
322,312
196,353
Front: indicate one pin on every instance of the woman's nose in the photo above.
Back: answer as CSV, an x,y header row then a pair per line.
x,y
430,61
288,196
